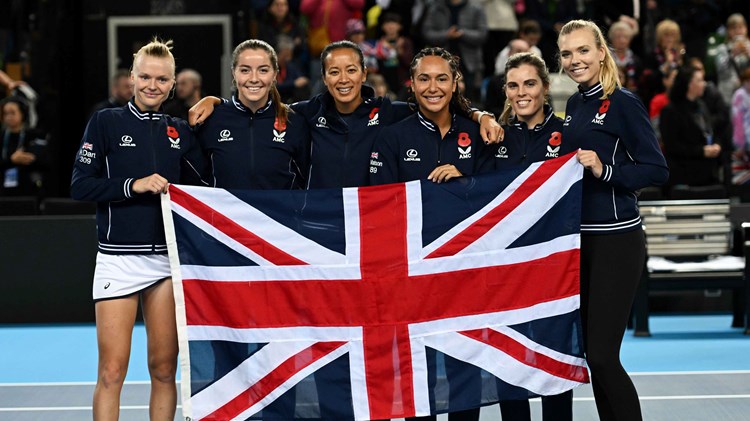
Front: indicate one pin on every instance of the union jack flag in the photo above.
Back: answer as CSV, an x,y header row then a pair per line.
x,y
378,302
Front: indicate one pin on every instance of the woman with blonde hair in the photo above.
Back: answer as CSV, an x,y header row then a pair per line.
x,y
620,154
127,157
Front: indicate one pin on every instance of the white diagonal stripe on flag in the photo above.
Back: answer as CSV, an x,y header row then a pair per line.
x,y
250,218
528,343
292,382
499,363
270,273
526,214
263,335
256,367
495,257
564,178
501,318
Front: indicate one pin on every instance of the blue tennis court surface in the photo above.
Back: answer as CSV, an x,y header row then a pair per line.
x,y
692,368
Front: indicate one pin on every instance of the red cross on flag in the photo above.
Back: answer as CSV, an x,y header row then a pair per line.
x,y
377,302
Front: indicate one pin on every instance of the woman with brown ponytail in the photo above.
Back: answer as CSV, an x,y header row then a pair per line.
x,y
253,140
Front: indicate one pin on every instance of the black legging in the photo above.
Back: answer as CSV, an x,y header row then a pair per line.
x,y
466,415
611,267
554,408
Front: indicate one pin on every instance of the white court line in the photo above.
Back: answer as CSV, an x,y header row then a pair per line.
x,y
589,399
674,398
581,399
689,373
40,384
146,382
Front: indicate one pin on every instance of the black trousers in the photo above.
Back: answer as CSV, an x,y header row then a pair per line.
x,y
554,408
611,267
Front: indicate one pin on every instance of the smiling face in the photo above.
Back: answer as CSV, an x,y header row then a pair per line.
x,y
580,57
254,75
152,78
526,91
343,76
433,84
279,9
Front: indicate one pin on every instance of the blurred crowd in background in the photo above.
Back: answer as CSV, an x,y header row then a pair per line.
x,y
688,61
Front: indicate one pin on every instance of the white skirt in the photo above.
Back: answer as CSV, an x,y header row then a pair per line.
x,y
118,276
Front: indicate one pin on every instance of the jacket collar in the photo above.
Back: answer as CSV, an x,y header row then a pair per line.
x,y
332,116
547,116
587,93
143,115
426,122
238,105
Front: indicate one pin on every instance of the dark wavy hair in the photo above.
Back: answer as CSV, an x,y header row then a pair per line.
x,y
458,101
678,92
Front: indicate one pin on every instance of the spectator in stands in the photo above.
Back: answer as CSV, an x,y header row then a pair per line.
x,y
24,152
502,26
733,56
688,133
120,91
187,93
326,23
550,16
721,118
668,54
518,45
356,33
127,157
292,84
651,15
620,154
461,28
620,35
393,52
660,100
277,21
378,84
741,134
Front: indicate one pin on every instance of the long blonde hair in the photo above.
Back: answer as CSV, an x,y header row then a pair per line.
x,y
608,76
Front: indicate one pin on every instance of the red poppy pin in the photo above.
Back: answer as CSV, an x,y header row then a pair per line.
x,y
463,139
172,132
555,139
605,106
